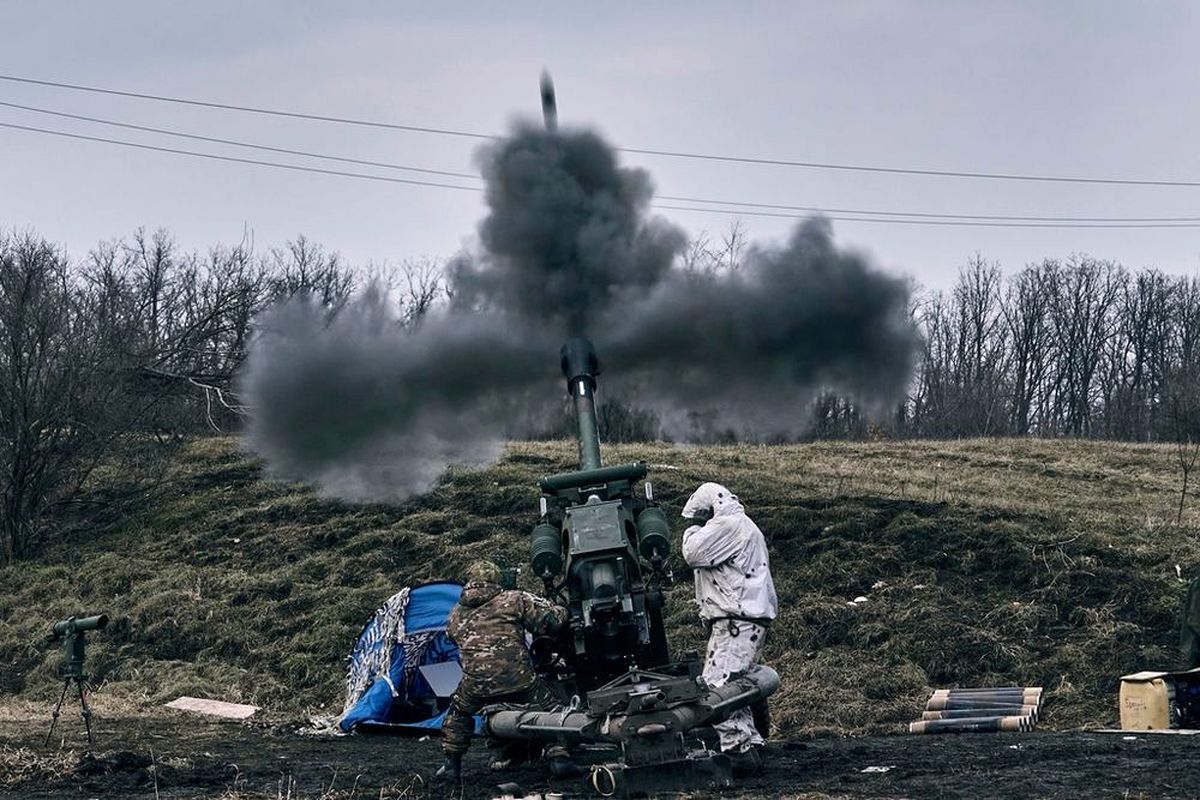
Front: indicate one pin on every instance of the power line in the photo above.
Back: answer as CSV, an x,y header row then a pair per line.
x,y
924,214
251,109
672,198
941,173
218,140
256,162
735,212
732,212
779,162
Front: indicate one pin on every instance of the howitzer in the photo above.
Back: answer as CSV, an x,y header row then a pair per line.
x,y
601,547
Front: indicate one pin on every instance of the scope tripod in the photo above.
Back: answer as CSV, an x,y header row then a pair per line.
x,y
81,688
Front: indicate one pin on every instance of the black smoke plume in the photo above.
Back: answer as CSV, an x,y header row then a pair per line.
x,y
744,350
567,236
368,409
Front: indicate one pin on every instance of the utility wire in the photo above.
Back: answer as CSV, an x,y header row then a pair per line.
x,y
671,198
256,162
733,212
779,162
237,143
941,173
923,214
251,109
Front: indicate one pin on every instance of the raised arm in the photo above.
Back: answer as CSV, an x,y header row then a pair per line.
x,y
539,616
711,544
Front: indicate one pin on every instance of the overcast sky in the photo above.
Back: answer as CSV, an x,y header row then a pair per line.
x,y
1066,88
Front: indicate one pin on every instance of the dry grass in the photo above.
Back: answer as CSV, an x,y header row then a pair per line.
x,y
22,765
416,787
1013,561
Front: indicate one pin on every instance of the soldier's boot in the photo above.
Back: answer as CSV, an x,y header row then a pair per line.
x,y
451,768
746,762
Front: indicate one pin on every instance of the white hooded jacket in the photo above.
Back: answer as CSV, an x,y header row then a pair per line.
x,y
729,557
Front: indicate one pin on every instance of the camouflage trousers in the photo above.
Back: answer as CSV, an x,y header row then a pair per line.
x,y
733,646
459,724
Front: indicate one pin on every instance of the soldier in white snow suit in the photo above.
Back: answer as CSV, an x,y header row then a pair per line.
x,y
737,601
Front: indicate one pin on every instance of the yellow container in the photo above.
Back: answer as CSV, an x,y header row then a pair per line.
x,y
1148,699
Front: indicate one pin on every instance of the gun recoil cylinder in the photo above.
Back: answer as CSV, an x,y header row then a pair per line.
x,y
654,534
546,547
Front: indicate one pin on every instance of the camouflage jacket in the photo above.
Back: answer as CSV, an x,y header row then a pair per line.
x,y
489,626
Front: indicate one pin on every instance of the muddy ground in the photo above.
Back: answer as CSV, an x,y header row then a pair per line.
x,y
191,758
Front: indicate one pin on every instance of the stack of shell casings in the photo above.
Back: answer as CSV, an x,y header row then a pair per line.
x,y
1009,708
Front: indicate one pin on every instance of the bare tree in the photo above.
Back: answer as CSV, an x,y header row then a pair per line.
x,y
61,383
422,286
962,373
1083,295
301,267
152,259
733,247
980,347
1025,315
1137,356
1185,416
697,256
931,398
702,256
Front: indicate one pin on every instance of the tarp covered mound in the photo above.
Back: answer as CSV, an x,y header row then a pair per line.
x,y
404,667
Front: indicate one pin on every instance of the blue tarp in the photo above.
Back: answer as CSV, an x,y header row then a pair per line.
x,y
415,705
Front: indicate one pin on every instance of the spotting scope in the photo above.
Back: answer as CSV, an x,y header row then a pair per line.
x,y
71,631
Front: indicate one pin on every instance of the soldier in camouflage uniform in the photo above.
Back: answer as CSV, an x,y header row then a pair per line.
x,y
489,626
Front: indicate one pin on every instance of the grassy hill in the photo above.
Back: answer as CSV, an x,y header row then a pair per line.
x,y
983,561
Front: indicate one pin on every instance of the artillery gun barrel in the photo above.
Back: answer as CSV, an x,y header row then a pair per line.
x,y
580,367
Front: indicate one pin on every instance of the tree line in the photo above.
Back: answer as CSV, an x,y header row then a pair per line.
x,y
1082,347
135,346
